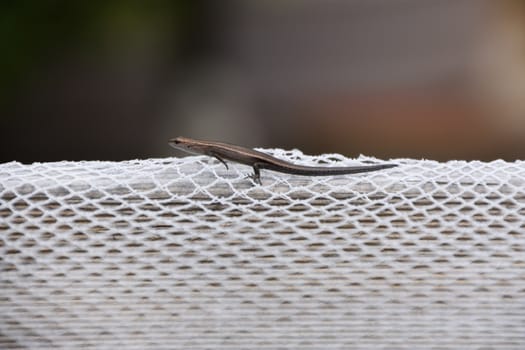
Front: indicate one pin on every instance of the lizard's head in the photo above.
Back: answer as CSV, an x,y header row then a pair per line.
x,y
185,144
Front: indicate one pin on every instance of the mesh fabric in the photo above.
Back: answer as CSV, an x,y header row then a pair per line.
x,y
183,253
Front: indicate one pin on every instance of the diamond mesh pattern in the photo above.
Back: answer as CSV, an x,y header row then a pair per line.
x,y
182,253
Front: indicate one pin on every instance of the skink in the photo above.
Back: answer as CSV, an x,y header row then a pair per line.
x,y
259,160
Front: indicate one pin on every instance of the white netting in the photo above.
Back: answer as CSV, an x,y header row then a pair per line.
x,y
182,253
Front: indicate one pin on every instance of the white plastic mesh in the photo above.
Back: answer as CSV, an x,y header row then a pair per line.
x,y
182,253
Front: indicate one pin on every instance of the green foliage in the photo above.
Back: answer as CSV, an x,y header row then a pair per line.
x,y
35,32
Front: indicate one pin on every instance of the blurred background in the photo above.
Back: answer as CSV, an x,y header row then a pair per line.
x,y
114,80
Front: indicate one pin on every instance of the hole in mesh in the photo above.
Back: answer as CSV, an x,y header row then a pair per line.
x,y
58,192
8,196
